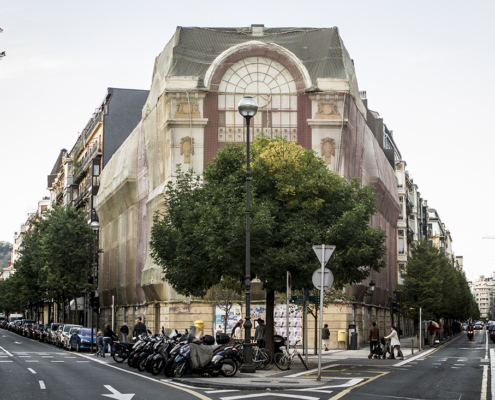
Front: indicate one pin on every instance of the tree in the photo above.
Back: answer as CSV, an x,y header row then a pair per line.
x,y
296,202
5,249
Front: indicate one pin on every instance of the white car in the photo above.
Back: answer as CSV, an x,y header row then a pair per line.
x,y
66,336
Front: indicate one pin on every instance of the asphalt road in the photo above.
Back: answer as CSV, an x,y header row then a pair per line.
x,y
458,370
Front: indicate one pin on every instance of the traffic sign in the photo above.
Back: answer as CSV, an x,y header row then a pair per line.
x,y
327,279
297,299
328,252
314,299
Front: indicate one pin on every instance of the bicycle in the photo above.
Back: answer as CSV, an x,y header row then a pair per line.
x,y
261,357
285,359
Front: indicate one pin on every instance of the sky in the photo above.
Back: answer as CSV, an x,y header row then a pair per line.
x,y
427,67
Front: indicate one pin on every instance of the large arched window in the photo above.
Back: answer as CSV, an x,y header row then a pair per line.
x,y
273,87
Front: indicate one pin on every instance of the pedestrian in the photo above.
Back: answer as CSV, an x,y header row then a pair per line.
x,y
373,337
108,336
99,343
139,328
394,343
325,337
237,330
124,329
259,333
431,331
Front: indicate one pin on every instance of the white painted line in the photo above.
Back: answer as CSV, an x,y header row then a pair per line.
x,y
70,357
6,352
483,360
455,367
436,363
24,356
286,396
47,357
484,383
42,385
182,385
352,382
220,391
32,370
460,365
6,361
31,360
83,361
58,361
417,357
311,370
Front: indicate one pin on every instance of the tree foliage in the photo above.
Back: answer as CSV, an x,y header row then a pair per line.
x,y
5,249
296,202
55,260
431,282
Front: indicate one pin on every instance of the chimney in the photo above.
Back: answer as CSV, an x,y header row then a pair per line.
x,y
257,29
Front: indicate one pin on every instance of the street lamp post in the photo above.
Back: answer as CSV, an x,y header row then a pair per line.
x,y
95,226
248,108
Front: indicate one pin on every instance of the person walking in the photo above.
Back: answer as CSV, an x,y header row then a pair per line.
x,y
139,328
394,343
108,336
325,336
373,338
259,333
124,329
237,330
431,331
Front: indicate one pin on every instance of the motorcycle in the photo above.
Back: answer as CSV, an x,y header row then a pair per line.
x,y
121,351
470,334
181,341
198,358
133,357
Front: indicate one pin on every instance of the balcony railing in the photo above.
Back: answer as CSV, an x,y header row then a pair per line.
x,y
96,149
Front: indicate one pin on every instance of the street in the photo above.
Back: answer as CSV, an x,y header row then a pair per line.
x,y
459,369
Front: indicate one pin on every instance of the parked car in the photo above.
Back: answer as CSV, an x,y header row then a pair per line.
x,y
38,331
51,335
81,339
27,328
66,338
491,332
63,333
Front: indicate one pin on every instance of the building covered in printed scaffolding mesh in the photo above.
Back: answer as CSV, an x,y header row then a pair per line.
x,y
305,84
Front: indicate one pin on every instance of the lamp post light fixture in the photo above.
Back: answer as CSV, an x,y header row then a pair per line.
x,y
371,289
96,227
248,108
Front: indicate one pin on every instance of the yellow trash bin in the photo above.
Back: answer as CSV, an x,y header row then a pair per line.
x,y
342,336
200,325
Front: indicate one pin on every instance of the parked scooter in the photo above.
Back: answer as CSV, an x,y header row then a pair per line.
x,y
198,358
121,351
181,340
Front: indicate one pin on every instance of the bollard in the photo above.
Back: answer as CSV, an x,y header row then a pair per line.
x,y
412,346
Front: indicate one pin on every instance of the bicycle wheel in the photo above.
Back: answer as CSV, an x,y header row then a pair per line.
x,y
268,358
302,360
282,361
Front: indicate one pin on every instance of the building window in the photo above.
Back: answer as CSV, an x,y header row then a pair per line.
x,y
401,245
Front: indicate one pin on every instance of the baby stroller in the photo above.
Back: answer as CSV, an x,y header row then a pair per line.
x,y
380,350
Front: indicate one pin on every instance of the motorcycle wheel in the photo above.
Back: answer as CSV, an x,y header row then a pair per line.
x,y
180,369
169,370
119,356
157,366
229,370
141,365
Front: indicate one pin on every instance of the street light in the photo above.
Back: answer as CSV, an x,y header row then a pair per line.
x,y
371,289
96,227
248,108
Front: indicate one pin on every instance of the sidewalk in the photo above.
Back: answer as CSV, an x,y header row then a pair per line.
x,y
298,377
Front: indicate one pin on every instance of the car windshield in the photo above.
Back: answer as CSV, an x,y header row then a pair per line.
x,y
86,332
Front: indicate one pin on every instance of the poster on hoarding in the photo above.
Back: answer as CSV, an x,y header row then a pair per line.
x,y
295,323
235,314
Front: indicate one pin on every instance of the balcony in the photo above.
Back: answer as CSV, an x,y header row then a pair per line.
x,y
410,235
79,171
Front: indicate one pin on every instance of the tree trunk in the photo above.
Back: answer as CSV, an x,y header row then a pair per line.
x,y
270,305
226,319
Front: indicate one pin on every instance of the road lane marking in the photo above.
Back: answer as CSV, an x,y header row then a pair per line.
x,y
58,361
31,360
24,356
196,394
311,371
116,394
32,370
352,382
286,396
6,361
221,391
182,385
6,352
484,383
347,391
417,357
42,385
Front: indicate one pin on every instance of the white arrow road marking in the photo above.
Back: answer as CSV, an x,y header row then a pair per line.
x,y
117,395
32,370
42,385
6,352
285,396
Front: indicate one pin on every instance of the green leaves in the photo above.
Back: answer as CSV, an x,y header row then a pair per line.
x,y
55,258
296,202
432,283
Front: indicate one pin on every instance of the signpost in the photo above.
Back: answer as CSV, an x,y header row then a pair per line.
x,y
322,279
288,311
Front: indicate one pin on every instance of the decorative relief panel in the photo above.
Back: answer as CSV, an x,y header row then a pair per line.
x,y
327,110
187,148
236,134
327,149
186,109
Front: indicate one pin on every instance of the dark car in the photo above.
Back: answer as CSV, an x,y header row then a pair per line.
x,y
38,331
27,329
81,339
